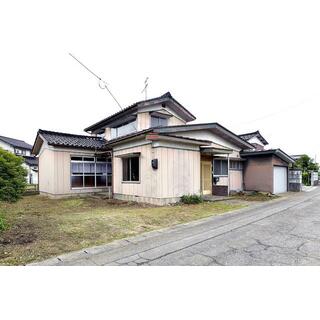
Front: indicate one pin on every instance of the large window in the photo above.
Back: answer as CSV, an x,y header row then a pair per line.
x,y
220,167
91,172
130,169
124,129
158,121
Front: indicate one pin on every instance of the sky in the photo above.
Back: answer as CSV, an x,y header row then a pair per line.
x,y
249,65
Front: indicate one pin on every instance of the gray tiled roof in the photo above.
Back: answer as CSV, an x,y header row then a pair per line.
x,y
31,161
16,143
73,140
167,96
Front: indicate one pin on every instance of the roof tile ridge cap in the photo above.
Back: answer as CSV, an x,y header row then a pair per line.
x,y
67,134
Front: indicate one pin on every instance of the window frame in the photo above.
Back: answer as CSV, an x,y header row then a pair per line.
x,y
238,167
214,166
139,166
158,117
83,174
115,131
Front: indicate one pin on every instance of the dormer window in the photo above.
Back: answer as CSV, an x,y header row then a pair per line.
x,y
157,121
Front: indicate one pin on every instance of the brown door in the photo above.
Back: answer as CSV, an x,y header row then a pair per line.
x,y
206,176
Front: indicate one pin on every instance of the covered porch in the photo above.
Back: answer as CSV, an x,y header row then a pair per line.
x,y
221,171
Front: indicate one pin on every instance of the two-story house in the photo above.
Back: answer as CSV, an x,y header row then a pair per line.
x,y
21,148
147,152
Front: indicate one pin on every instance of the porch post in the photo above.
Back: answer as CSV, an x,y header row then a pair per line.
x,y
228,175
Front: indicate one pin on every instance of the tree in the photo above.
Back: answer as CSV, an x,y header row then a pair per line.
x,y
305,163
12,176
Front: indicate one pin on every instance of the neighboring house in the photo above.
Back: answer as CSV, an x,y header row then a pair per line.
x,y
296,156
21,148
256,139
147,152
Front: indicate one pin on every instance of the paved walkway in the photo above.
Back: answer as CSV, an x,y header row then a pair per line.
x,y
280,232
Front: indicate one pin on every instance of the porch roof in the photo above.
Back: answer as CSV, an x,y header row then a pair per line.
x,y
215,149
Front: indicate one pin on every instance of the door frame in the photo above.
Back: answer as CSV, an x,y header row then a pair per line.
x,y
207,191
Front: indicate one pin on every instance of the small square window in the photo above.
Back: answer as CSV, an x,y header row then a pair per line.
x,y
130,169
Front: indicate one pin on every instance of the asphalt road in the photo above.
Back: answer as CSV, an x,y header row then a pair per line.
x,y
280,232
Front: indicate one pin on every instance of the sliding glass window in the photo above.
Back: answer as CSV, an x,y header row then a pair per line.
x,y
91,172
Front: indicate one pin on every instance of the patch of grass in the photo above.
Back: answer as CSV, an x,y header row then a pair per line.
x,y
3,224
40,227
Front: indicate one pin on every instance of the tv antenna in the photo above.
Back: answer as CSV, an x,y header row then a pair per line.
x,y
145,88
102,84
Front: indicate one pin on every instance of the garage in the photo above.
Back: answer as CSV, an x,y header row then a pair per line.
x,y
266,170
280,179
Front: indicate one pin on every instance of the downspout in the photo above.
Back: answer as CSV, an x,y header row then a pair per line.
x,y
228,174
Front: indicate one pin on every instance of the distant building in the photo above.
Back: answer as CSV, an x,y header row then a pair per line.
x,y
23,149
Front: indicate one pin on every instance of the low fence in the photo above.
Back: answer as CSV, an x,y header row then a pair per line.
x,y
295,180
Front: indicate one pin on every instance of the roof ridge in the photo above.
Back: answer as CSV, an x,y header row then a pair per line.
x,y
166,95
70,134
244,134
14,139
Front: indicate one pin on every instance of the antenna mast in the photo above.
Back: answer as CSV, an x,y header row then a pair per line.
x,y
102,83
145,88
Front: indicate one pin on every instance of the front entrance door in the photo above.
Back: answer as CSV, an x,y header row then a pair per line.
x,y
206,177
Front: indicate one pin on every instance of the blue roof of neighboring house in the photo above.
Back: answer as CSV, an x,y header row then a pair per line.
x,y
31,161
16,143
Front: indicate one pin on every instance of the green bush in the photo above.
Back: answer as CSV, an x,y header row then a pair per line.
x,y
191,199
12,176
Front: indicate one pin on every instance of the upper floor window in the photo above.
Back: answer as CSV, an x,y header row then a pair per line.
x,y
123,130
158,121
20,152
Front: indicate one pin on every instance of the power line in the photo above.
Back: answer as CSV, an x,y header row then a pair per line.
x,y
104,84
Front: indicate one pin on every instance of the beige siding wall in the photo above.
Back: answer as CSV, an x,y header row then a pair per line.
x,y
178,173
54,172
143,121
174,121
236,180
107,133
46,171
